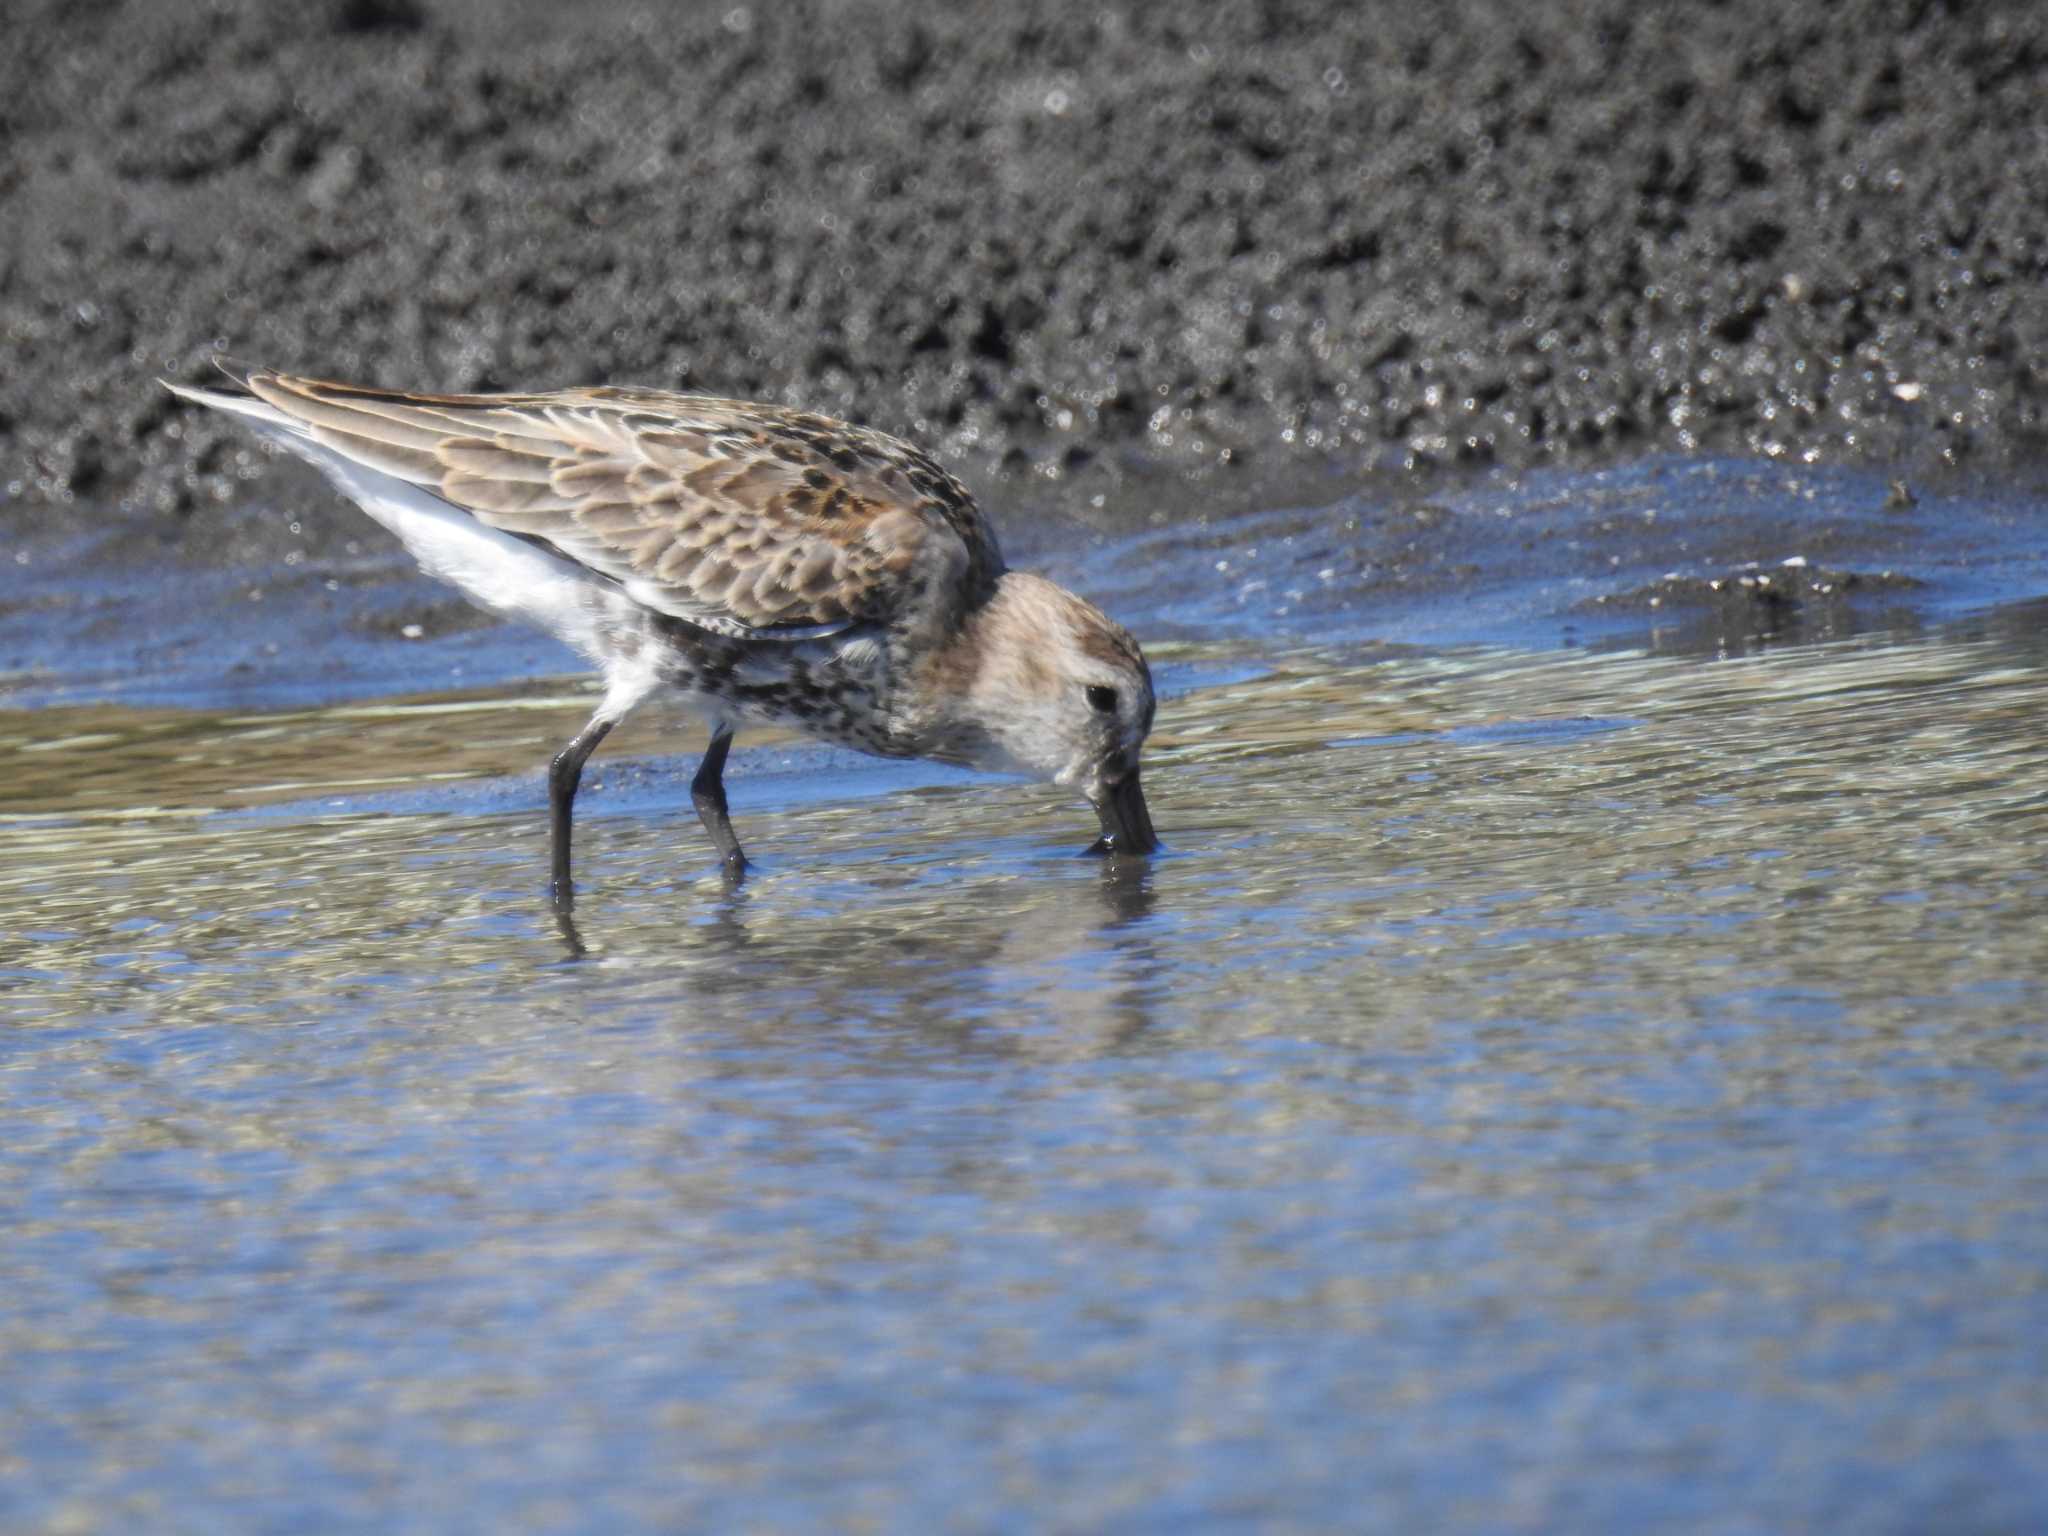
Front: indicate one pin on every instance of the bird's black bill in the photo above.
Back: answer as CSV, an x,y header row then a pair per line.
x,y
1126,824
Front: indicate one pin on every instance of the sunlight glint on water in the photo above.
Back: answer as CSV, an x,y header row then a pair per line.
x,y
1503,1039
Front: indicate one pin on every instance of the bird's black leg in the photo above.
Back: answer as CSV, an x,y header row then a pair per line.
x,y
564,774
707,793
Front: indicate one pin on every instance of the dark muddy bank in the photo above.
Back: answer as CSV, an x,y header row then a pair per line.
x,y
1060,236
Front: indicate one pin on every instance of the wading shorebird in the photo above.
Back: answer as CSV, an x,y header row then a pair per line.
x,y
770,565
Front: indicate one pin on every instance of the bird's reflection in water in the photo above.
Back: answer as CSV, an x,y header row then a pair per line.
x,y
944,954
573,947
1127,891
1131,970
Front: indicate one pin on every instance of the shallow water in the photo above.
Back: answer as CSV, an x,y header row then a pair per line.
x,y
1539,1088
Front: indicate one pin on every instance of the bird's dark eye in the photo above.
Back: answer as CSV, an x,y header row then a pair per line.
x,y
1102,698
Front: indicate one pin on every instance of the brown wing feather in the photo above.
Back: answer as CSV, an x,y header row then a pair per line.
x,y
737,517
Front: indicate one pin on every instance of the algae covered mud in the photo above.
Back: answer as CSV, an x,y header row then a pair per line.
x,y
1578,1064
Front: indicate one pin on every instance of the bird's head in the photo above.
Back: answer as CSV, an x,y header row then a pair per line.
x,y
1056,689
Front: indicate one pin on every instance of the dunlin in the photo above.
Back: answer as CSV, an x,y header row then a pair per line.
x,y
770,565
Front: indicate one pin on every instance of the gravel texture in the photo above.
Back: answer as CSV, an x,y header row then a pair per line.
x,y
1033,235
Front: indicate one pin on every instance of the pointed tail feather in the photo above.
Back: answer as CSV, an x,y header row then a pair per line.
x,y
238,402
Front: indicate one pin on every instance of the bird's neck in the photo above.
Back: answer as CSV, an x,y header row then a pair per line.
x,y
966,682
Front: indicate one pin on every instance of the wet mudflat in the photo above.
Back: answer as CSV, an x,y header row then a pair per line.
x,y
1544,1085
